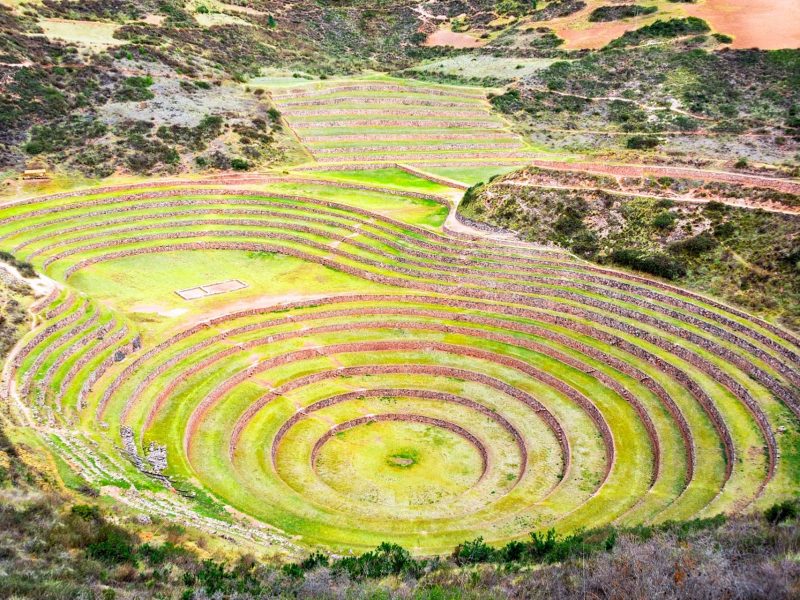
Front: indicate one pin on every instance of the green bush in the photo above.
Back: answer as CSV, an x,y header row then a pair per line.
x,y
624,11
386,559
642,142
695,246
783,511
664,220
510,102
654,264
570,221
240,164
25,268
86,512
474,551
662,29
135,89
112,545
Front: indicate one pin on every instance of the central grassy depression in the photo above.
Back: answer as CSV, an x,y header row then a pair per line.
x,y
399,463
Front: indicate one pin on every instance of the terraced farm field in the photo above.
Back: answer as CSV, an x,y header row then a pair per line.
x,y
379,376
382,120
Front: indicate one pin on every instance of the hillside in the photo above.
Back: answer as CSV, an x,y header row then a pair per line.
x,y
732,241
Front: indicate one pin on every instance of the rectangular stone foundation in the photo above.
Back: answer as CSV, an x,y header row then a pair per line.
x,y
211,289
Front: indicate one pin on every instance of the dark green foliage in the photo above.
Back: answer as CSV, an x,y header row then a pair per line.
x,y
135,89
662,29
112,545
783,511
239,164
193,138
664,220
149,154
724,230
386,559
570,222
622,11
627,114
57,137
558,8
642,142
470,195
158,555
509,102
652,263
25,268
87,512
292,570
585,243
474,551
722,38
694,246
314,560
176,16
793,117
542,548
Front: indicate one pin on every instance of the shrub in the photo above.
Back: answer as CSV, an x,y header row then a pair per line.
x,y
725,230
312,561
624,11
662,29
695,246
509,102
654,264
472,552
156,555
570,221
25,268
239,164
664,220
386,559
86,512
783,511
112,545
642,142
135,89
274,114
585,243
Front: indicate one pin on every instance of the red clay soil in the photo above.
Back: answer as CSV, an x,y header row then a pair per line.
x,y
443,37
766,24
597,35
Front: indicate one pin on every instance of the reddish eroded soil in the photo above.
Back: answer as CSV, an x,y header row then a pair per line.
x,y
766,24
443,37
598,35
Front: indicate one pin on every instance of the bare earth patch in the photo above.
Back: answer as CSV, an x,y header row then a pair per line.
x,y
445,37
88,33
766,24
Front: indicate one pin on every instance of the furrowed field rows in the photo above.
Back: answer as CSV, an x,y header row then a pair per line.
x,y
455,387
343,121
